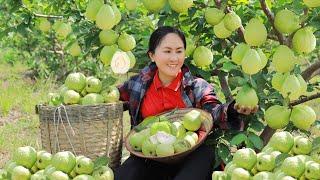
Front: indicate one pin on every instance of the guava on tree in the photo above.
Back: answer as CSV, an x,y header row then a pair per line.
x,y
64,30
131,4
148,148
20,173
43,159
277,116
75,81
111,94
263,58
105,13
286,21
302,116
245,158
251,62
103,173
94,85
132,59
181,6
213,16
84,165
117,13
247,96
107,53
25,156
71,97
255,33
126,42
191,120
282,141
312,170
154,6
93,8
293,166
164,150
232,21
108,37
277,80
302,145
64,161
291,87
303,84
120,63
304,41
312,3
75,49
238,53
240,173
202,56
44,25
283,59
265,162
190,47
221,31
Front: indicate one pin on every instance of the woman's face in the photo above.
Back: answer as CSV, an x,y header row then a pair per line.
x,y
169,57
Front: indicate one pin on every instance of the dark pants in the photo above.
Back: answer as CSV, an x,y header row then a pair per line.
x,y
196,166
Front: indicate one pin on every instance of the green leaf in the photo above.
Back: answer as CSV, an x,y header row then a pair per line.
x,y
280,158
228,66
224,153
238,139
101,161
256,140
316,143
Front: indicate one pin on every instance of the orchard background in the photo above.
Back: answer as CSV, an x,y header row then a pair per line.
x,y
34,62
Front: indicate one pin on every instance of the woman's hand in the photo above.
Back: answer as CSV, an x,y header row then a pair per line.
x,y
245,109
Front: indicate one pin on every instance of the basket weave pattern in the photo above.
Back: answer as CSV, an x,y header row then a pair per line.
x,y
92,130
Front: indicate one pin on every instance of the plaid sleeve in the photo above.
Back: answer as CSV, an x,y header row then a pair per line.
x,y
124,94
224,115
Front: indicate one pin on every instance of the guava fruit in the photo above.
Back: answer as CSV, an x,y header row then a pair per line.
x,y
232,21
283,59
58,175
264,176
275,154
251,62
75,81
164,126
238,53
25,156
44,25
302,116
94,85
191,120
154,6
181,6
255,33
84,177
312,170
218,175
108,37
245,158
71,97
315,155
63,161
178,129
43,159
105,18
213,16
263,58
190,47
131,4
148,148
136,141
277,117
304,41
103,173
247,97
38,176
75,49
312,3
84,165
132,59
265,162
240,174
282,141
181,145
120,63
304,158
111,94
291,87
164,150
20,173
162,137
293,166
202,56
286,21
107,53
126,42
302,145
303,84
221,31
56,25
117,13
277,80
93,8
190,140
63,30
193,135
92,98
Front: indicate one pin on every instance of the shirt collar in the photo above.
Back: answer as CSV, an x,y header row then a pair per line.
x,y
174,85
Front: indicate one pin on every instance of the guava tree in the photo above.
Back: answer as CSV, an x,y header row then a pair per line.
x,y
257,52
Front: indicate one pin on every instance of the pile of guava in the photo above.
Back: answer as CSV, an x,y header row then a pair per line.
x,y
29,164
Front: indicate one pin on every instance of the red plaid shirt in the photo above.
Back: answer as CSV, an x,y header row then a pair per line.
x,y
196,92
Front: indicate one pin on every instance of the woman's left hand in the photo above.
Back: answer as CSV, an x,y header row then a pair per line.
x,y
245,109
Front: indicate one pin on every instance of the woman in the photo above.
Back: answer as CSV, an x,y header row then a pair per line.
x,y
166,83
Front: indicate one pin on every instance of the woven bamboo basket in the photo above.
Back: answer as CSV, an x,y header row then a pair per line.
x,y
89,130
176,115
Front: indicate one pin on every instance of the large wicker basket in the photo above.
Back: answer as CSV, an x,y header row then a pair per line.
x,y
90,130
175,115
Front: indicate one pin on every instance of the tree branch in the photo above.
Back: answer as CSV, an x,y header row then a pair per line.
x,y
305,99
47,16
307,73
218,3
270,16
266,134
225,87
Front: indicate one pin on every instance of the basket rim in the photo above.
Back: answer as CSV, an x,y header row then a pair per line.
x,y
140,154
